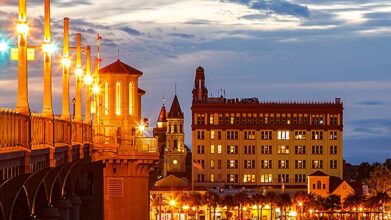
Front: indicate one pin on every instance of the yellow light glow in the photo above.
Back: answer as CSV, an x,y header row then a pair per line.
x,y
78,72
66,62
172,202
255,207
22,28
185,207
267,206
141,127
30,54
175,162
360,209
300,203
88,79
193,208
96,89
311,211
49,48
292,214
244,208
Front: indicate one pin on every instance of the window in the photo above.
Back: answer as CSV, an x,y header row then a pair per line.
x,y
266,178
266,149
118,98
232,149
249,164
283,164
333,119
283,135
317,119
212,135
212,149
219,149
317,149
319,185
300,178
219,164
106,101
283,178
232,135
231,120
283,149
232,178
266,135
317,164
266,164
317,135
232,164
300,135
333,135
249,149
211,119
249,135
200,135
200,119
333,164
218,135
249,178
200,178
131,99
300,164
212,164
333,149
299,149
200,149
212,178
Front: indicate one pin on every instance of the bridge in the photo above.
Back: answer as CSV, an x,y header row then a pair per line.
x,y
73,166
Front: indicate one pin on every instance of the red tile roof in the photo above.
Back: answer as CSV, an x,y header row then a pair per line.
x,y
119,67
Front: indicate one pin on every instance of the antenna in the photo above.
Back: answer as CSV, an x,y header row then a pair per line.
x,y
175,88
118,54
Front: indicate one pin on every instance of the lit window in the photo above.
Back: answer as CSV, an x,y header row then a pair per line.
x,y
106,101
212,178
212,149
283,135
211,119
266,178
283,149
212,164
219,149
212,135
131,104
118,98
249,178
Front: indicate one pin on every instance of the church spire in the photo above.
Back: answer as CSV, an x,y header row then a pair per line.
x,y
175,110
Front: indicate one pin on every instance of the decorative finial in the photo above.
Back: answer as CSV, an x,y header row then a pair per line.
x,y
163,100
175,88
118,54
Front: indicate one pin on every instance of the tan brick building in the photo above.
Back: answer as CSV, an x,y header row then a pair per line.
x,y
247,142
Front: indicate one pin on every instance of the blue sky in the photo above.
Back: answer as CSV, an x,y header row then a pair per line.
x,y
274,50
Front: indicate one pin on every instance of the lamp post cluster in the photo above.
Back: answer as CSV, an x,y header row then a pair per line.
x,y
48,49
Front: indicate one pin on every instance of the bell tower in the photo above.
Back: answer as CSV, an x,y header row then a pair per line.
x,y
200,92
175,150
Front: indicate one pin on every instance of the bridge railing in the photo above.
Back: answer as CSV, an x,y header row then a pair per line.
x,y
141,145
36,130
14,129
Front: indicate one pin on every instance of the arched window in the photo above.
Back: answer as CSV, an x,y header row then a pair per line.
x,y
106,101
319,185
118,98
131,94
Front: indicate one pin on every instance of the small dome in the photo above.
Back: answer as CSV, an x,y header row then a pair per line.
x,y
200,69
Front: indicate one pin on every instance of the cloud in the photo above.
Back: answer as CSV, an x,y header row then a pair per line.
x,y
370,102
182,35
282,7
131,31
61,3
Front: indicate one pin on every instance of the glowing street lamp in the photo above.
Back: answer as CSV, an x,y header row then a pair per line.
x,y
88,79
66,62
96,89
4,47
78,72
22,28
49,48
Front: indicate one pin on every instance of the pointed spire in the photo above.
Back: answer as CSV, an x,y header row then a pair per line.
x,y
175,110
163,113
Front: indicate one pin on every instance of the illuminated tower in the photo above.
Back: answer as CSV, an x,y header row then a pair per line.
x,y
200,92
175,150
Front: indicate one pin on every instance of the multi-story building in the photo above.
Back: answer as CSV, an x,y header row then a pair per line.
x,y
247,142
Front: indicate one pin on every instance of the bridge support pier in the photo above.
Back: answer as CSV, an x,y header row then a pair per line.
x,y
26,168
75,210
64,206
49,213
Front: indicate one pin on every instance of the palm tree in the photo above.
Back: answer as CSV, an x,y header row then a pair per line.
x,y
158,201
229,202
308,200
195,201
242,199
259,200
330,203
354,200
271,199
284,200
212,200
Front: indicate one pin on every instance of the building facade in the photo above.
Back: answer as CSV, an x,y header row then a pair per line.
x,y
175,156
247,142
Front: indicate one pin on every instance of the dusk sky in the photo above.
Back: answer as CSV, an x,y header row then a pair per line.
x,y
270,49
